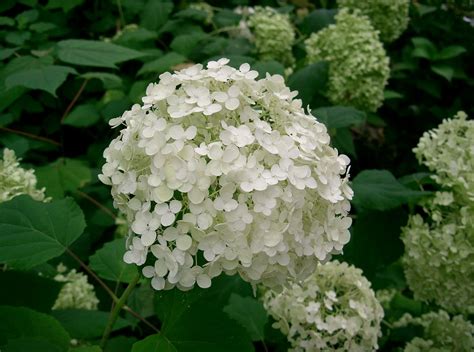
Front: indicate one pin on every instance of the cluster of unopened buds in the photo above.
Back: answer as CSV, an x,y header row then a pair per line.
x,y
219,171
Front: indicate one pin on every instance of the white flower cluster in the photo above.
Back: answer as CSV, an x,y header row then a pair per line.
x,y
440,333
335,309
448,150
439,248
273,34
76,293
14,180
389,17
220,172
358,64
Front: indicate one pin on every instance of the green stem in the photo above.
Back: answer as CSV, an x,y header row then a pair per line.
x,y
116,310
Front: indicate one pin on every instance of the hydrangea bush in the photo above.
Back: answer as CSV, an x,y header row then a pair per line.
x,y
358,64
335,309
15,180
441,333
389,17
220,172
439,250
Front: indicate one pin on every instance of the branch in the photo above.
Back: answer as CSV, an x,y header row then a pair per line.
x,y
30,135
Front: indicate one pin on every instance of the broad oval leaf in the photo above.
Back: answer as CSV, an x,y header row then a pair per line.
x,y
20,322
380,190
32,232
94,53
299,81
108,262
339,116
84,115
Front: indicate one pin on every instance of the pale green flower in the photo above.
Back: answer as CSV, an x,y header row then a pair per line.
x,y
358,64
389,17
273,33
14,180
76,293
440,333
448,151
334,309
439,248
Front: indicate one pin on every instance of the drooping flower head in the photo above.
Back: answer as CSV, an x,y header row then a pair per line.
x,y
440,333
358,64
273,33
14,180
439,248
389,17
220,172
76,293
335,309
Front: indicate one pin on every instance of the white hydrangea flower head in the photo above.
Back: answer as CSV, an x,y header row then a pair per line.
x,y
358,64
220,172
76,293
439,253
273,34
389,17
335,309
440,333
448,150
14,180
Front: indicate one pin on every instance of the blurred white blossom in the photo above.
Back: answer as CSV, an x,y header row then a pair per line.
x,y
14,180
220,172
76,293
389,17
335,309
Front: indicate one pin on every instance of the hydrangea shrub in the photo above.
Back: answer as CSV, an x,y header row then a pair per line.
x,y
221,172
358,64
389,17
439,248
335,309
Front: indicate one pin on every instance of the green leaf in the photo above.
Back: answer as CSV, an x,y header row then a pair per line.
x,y
63,175
84,115
86,324
424,48
20,322
162,64
249,313
30,344
47,78
186,43
7,21
271,67
380,190
391,94
339,116
317,20
32,232
109,80
85,349
299,81
445,71
155,14
120,344
65,5
94,53
8,97
450,52
343,141
108,262
194,320
7,52
375,240
18,285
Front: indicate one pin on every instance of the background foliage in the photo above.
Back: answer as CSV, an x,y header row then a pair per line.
x,y
68,66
